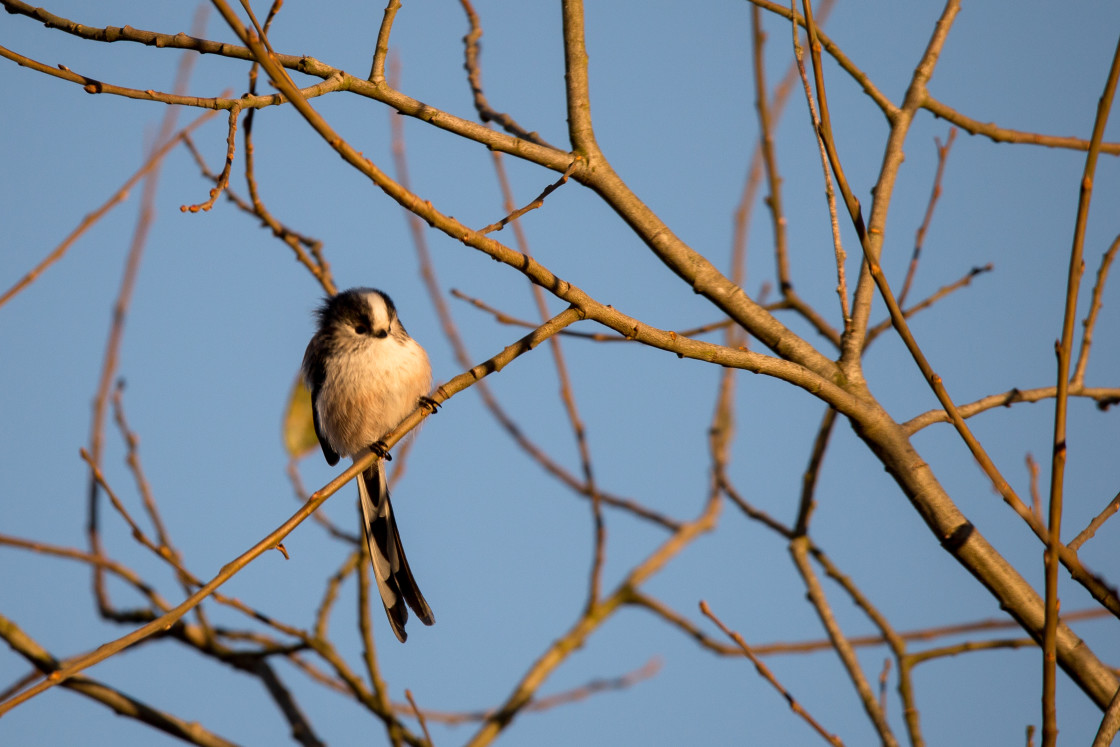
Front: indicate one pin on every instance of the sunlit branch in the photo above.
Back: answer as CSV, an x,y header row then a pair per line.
x,y
1058,462
798,548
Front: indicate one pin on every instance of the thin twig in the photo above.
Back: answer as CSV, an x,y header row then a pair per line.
x,y
930,300
315,674
600,685
783,648
132,442
1036,499
332,84
1104,396
159,550
301,730
419,716
999,134
164,549
223,178
969,647
330,592
1064,353
754,513
775,106
472,51
934,195
1088,532
502,317
576,694
1091,318
799,548
123,572
824,123
830,193
812,472
312,258
767,675
774,180
884,678
538,202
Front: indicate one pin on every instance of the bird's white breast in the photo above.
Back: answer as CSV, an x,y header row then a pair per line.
x,y
370,389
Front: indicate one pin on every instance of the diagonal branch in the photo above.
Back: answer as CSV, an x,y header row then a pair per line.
x,y
538,202
799,548
767,675
1087,533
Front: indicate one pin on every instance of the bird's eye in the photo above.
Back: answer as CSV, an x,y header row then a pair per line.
x,y
381,333
361,329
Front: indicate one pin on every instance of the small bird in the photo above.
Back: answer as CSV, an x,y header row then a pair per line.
x,y
365,375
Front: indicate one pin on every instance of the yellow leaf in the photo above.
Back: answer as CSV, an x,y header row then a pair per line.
x,y
299,427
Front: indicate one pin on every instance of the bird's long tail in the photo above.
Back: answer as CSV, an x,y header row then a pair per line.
x,y
390,566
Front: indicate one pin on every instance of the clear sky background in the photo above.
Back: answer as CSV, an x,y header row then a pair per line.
x,y
221,315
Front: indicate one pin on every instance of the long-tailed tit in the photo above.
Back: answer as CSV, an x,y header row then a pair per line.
x,y
365,375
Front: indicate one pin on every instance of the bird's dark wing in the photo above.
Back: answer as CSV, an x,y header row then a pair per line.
x,y
328,452
314,374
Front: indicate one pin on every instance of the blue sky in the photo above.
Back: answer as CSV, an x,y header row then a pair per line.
x,y
221,314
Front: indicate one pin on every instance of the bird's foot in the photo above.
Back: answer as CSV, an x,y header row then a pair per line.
x,y
381,450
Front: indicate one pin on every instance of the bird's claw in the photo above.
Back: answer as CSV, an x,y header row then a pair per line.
x,y
430,405
381,450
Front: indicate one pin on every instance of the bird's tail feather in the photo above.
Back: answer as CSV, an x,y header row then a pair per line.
x,y
395,581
